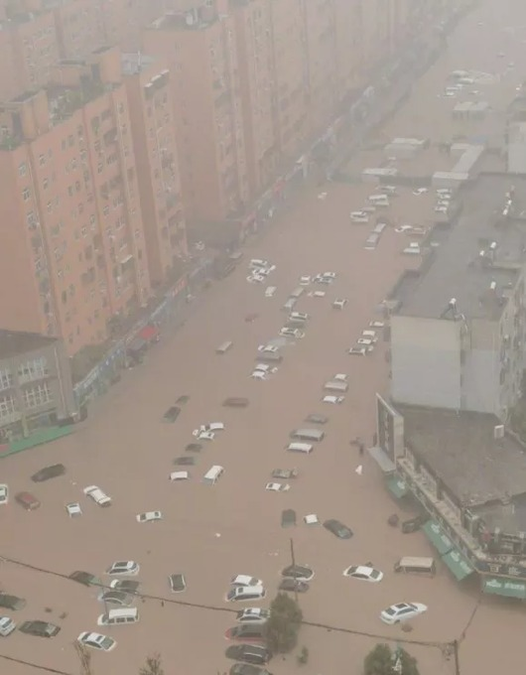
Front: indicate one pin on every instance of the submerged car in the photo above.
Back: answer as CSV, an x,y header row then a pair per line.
x,y
338,529
48,472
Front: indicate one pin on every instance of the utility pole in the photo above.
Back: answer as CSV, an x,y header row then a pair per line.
x,y
456,657
84,658
293,560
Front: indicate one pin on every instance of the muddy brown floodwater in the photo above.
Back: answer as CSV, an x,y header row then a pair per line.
x,y
211,533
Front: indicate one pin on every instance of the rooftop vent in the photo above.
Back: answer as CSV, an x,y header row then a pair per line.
x,y
498,432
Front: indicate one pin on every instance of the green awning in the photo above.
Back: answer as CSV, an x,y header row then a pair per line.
x,y
438,537
397,486
457,564
507,587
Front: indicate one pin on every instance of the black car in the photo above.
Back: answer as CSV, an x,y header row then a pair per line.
x,y
116,598
299,572
246,669
177,583
171,414
316,418
194,447
293,586
338,529
183,399
11,602
39,628
235,402
85,578
48,472
254,654
184,461
288,518
125,585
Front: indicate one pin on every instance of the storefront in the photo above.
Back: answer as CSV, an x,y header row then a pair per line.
x,y
457,564
455,561
397,487
509,588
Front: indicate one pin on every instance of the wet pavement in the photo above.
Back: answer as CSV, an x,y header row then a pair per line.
x,y
211,533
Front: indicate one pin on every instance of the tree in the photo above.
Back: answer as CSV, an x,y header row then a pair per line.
x,y
382,661
281,630
153,666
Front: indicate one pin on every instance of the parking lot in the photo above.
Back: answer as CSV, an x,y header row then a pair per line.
x,y
213,532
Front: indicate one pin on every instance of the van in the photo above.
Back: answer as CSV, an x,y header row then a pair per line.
x,y
308,435
270,357
305,448
336,385
289,305
372,241
415,565
378,200
119,617
244,593
213,475
297,292
223,348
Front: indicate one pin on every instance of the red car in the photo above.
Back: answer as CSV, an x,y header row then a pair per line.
x,y
246,633
27,500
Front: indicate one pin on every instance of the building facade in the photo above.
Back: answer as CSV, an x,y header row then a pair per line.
x,y
36,390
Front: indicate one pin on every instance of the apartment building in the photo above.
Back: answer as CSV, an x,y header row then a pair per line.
x,y
72,244
457,336
77,27
349,48
200,49
147,84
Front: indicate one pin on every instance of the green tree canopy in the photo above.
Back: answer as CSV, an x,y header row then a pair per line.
x,y
281,630
381,661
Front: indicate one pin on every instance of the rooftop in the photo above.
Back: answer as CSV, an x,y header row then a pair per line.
x,y
480,282
133,63
462,451
15,343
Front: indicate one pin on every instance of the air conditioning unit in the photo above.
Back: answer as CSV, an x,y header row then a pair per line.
x,y
498,432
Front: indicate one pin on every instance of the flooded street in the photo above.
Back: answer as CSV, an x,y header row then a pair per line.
x,y
211,533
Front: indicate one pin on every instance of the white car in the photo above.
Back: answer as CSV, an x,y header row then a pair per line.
x,y
339,303
149,517
253,615
357,351
298,316
402,612
366,342
7,626
179,475
317,294
412,249
420,191
340,377
211,426
376,324
4,493
305,281
292,333
364,573
73,509
269,291
262,368
441,209
128,567
258,375
401,229
277,487
255,279
98,496
204,435
245,580
323,280
333,399
97,641
268,349
359,217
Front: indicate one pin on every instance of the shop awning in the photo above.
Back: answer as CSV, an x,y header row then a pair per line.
x,y
397,486
382,459
510,588
148,333
457,564
438,537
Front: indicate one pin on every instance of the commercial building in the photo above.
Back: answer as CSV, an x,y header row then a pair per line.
x,y
153,134
199,47
36,390
72,243
458,331
469,475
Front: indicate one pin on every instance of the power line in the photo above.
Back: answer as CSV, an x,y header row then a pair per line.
x,y
34,665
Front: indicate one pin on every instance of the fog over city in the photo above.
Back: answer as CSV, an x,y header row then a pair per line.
x,y
262,337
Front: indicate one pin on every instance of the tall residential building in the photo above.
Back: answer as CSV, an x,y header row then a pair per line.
x,y
457,336
153,132
348,45
253,32
72,243
77,27
200,49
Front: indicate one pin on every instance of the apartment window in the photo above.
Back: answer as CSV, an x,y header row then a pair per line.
x,y
31,221
26,194
36,369
92,219
121,108
106,210
41,160
84,231
99,167
6,379
77,186
45,183
37,395
7,406
22,169
48,207
71,140
73,163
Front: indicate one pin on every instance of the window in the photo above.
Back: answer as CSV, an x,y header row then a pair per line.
x,y
22,169
45,183
26,194
71,140
33,370
7,406
31,221
6,379
38,395
41,160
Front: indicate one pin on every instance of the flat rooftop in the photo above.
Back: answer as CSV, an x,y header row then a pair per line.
x,y
462,451
457,270
15,343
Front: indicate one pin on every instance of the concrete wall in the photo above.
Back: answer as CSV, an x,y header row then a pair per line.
x,y
425,362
